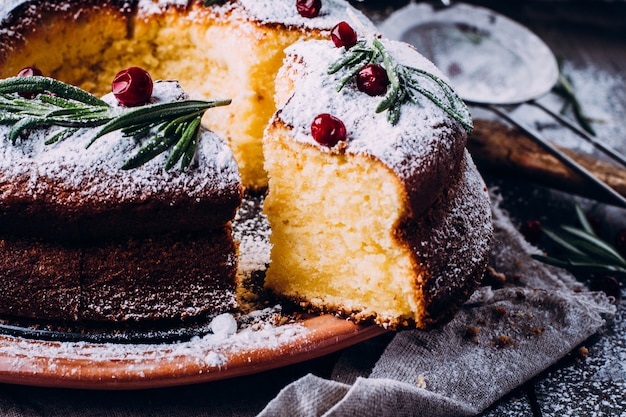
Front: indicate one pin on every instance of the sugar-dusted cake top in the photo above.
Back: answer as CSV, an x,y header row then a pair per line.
x,y
424,146
31,166
282,12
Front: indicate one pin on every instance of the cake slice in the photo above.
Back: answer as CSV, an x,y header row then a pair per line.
x,y
392,224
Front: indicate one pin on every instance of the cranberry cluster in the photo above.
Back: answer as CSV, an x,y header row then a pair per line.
x,y
372,79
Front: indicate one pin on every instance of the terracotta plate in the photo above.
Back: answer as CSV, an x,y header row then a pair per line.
x,y
79,364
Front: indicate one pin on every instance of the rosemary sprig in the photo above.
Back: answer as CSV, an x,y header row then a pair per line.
x,y
406,84
565,89
583,251
68,108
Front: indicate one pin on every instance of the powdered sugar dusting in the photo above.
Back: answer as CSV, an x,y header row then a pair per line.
x,y
208,352
95,172
421,138
267,12
251,229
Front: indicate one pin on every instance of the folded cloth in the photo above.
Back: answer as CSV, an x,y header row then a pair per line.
x,y
501,338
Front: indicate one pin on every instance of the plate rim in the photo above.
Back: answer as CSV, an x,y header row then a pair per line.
x,y
325,334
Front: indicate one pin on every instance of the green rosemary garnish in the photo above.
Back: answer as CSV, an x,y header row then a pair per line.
x,y
565,89
68,108
406,84
583,251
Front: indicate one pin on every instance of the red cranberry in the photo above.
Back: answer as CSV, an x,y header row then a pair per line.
x,y
132,86
620,242
607,284
29,72
343,35
372,79
309,8
531,230
454,69
327,130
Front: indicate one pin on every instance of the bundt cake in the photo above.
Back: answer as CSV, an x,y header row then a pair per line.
x,y
376,209
227,49
82,239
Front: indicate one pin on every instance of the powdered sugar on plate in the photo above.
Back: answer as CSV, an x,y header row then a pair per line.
x,y
252,332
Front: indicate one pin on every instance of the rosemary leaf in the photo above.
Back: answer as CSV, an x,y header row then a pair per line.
x,y
157,113
137,131
552,261
36,84
563,243
355,55
582,267
565,89
593,244
389,99
186,137
61,135
190,152
582,218
82,114
350,75
467,123
156,146
17,129
60,101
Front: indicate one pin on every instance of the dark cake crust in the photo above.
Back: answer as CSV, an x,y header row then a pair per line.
x,y
169,277
54,212
452,240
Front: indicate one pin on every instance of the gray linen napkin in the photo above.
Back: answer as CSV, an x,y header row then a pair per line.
x,y
500,339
